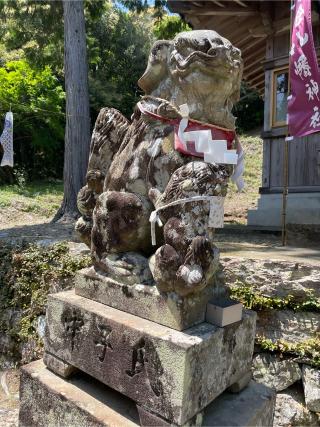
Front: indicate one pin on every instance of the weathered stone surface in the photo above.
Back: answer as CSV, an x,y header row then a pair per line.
x,y
171,373
291,411
274,278
9,318
188,260
48,400
288,325
58,366
242,383
254,406
135,168
149,419
275,372
9,417
168,309
9,397
311,386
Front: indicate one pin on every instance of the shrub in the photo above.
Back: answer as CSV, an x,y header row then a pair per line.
x,y
37,101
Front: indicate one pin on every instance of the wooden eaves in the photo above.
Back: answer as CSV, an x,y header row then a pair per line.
x,y
247,24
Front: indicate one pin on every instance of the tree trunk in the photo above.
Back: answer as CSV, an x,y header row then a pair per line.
x,y
77,132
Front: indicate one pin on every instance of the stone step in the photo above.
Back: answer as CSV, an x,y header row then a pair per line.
x,y
171,373
48,400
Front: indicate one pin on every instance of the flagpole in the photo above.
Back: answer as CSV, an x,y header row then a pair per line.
x,y
286,152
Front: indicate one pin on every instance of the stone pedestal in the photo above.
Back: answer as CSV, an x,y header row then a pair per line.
x,y
171,373
48,400
164,364
145,301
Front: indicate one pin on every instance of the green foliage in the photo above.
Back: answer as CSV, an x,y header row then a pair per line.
x,y
27,275
307,351
252,299
35,29
158,6
249,110
37,100
169,26
31,67
119,45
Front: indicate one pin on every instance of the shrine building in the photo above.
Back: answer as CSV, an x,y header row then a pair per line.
x,y
261,29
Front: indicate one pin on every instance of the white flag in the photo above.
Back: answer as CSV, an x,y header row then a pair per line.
x,y
6,139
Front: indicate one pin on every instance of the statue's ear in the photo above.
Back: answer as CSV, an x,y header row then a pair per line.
x,y
157,67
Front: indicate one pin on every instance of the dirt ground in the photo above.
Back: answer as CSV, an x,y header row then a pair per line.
x,y
13,217
9,397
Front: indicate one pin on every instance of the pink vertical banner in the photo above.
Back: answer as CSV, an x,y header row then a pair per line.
x,y
304,98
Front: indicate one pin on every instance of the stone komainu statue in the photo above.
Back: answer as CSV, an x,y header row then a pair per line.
x,y
135,168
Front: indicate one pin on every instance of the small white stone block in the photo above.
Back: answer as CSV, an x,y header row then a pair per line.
x,y
223,312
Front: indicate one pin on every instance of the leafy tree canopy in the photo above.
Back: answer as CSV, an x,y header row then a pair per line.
x,y
170,25
31,72
37,100
249,110
119,45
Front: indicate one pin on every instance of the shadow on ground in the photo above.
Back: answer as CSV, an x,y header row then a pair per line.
x,y
46,232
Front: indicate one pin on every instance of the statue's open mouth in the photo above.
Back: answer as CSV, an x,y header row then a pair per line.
x,y
214,57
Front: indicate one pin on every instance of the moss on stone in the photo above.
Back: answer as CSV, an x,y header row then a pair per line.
x,y
254,300
307,351
28,273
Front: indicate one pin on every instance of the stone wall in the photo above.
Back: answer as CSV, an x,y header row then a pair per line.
x,y
28,273
286,296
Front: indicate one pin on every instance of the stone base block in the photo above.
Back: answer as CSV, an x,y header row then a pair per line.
x,y
48,400
144,301
58,366
149,419
254,406
171,373
241,383
302,208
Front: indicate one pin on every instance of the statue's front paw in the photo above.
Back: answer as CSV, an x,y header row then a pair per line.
x,y
190,279
199,266
166,265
